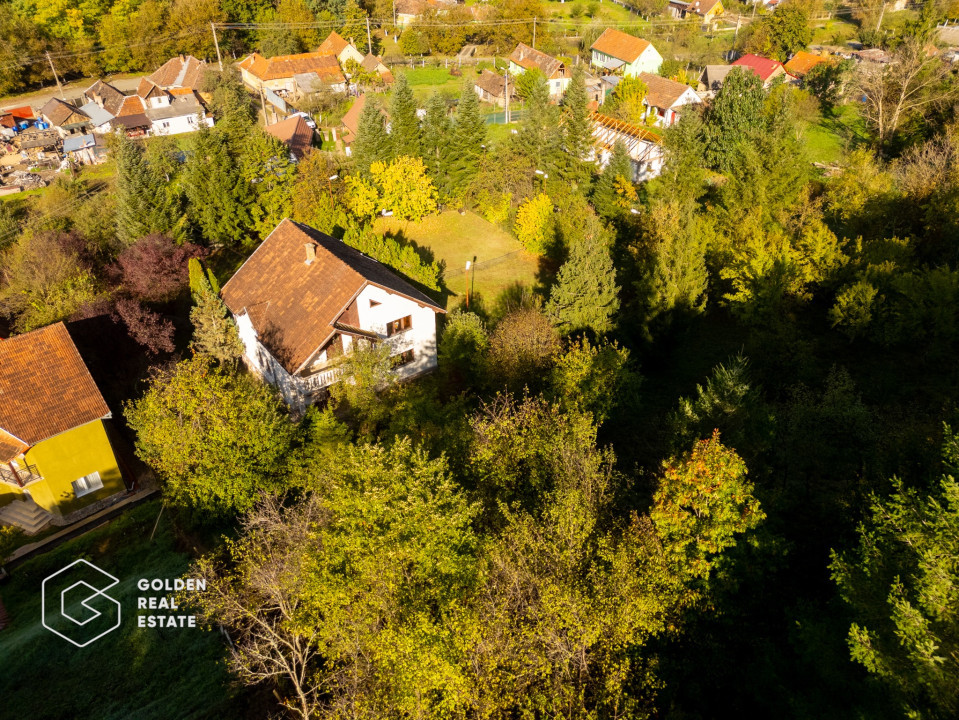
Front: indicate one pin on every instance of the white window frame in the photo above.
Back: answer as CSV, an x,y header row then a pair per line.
x,y
87,484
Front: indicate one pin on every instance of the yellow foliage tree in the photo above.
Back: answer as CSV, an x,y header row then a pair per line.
x,y
534,220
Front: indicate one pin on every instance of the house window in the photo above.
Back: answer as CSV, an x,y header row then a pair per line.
x,y
374,303
87,484
398,326
404,358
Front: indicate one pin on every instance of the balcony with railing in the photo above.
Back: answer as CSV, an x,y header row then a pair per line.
x,y
19,476
400,342
322,379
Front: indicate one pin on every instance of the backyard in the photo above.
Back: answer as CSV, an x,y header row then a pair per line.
x,y
499,258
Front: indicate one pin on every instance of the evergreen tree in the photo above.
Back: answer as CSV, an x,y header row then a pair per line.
x,y
585,295
404,125
537,135
218,197
577,133
214,332
140,194
266,167
372,144
469,135
434,141
736,113
607,192
354,25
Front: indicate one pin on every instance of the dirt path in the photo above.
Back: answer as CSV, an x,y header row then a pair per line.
x,y
72,89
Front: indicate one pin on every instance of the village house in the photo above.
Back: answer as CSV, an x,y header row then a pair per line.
x,y
665,98
802,62
626,54
67,119
712,79
295,133
525,58
56,457
304,299
406,11
643,145
343,50
277,74
374,64
767,70
87,149
182,71
707,10
101,120
491,87
172,111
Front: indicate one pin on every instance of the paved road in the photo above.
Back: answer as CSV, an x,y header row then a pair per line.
x,y
72,89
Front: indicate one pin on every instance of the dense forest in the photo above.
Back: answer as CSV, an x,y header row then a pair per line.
x,y
703,468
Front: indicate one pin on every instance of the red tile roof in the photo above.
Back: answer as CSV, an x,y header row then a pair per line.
x,y
619,45
351,120
333,45
45,389
294,133
286,66
181,71
763,67
132,105
292,305
528,58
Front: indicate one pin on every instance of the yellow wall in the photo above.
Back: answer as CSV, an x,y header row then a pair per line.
x,y
9,493
68,457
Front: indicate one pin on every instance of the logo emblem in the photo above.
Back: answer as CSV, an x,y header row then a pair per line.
x,y
76,606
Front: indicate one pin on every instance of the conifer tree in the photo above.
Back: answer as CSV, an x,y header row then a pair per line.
x,y
435,139
469,135
140,195
618,170
404,125
219,199
214,332
354,23
577,135
537,135
585,295
372,144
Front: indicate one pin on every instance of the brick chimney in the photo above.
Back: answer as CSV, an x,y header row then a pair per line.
x,y
310,252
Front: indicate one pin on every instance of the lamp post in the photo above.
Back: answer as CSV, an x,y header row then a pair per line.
x,y
329,186
543,176
469,264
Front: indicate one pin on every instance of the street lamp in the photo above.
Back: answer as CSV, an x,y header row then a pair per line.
x,y
469,264
329,186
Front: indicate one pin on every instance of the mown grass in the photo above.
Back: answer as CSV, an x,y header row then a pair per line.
x,y
834,133
148,674
500,259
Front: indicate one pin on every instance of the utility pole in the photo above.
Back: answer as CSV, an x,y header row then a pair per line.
x,y
55,76
369,40
506,113
739,19
266,120
216,43
534,33
879,24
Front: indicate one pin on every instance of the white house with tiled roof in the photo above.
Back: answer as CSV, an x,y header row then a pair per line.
x,y
616,51
304,299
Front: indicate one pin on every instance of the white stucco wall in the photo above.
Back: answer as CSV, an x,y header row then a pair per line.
x,y
421,337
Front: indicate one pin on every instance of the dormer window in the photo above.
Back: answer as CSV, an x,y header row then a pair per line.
x,y
374,303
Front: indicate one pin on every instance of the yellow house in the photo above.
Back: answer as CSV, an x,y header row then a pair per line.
x,y
55,455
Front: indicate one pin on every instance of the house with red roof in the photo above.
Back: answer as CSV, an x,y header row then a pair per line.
x,y
338,46
767,70
295,133
304,299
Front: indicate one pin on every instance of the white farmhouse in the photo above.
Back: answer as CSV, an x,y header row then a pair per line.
x,y
303,299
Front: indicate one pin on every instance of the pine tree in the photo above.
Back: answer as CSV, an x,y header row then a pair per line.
x,y
469,135
435,140
537,135
404,125
619,169
372,144
140,194
219,198
585,295
354,25
214,332
577,130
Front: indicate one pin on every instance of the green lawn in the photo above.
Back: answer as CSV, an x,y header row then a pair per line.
x,y
601,12
827,139
428,80
148,674
500,259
